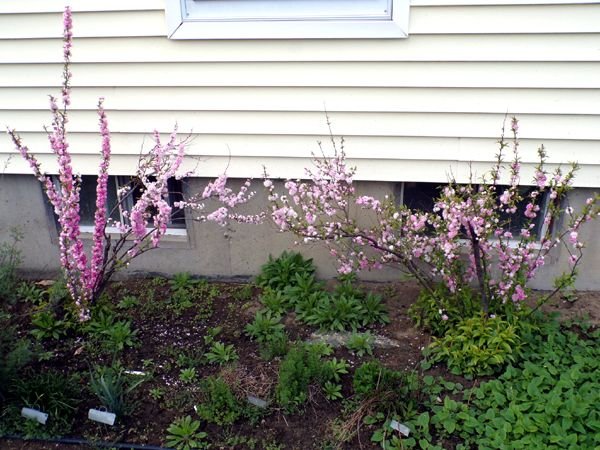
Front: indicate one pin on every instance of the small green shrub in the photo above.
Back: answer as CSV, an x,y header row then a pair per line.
x,y
275,346
183,434
30,293
128,302
427,312
301,366
372,377
477,346
219,404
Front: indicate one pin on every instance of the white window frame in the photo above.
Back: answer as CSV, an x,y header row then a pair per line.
x,y
184,21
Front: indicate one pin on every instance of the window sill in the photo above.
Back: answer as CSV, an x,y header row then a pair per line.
x,y
190,24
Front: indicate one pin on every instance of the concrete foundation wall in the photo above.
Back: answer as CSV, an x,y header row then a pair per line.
x,y
237,251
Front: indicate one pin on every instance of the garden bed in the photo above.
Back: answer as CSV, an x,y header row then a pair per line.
x,y
167,348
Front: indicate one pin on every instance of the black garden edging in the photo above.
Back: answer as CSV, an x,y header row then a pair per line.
x,y
92,444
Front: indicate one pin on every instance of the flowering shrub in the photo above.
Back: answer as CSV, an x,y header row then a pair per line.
x,y
143,226
465,238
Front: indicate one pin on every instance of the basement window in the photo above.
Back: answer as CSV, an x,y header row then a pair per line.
x,y
87,203
422,196
286,19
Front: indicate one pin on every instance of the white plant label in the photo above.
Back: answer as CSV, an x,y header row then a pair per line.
x,y
34,414
102,416
395,425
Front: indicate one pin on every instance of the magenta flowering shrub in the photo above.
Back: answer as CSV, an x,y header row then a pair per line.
x,y
143,226
465,240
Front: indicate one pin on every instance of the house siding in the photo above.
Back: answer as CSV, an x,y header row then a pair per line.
x,y
415,109
409,109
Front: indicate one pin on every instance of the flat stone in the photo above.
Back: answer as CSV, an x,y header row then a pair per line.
x,y
257,401
338,339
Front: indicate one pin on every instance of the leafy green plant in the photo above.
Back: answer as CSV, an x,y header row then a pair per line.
x,y
332,391
244,292
281,272
47,326
264,325
219,404
112,386
183,434
30,293
220,353
274,301
549,400
119,336
275,346
360,344
373,310
211,334
128,302
10,258
477,346
429,314
333,369
300,367
372,376
156,393
336,313
303,285
14,355
187,375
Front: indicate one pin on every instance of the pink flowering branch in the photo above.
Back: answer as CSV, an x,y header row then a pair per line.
x,y
141,228
466,237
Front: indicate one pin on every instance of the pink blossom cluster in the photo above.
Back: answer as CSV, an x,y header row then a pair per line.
x,y
228,200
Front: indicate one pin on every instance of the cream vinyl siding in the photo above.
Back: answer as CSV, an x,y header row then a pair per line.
x,y
414,109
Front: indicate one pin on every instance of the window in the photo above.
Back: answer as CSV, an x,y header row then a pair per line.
x,y
422,196
87,205
286,19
